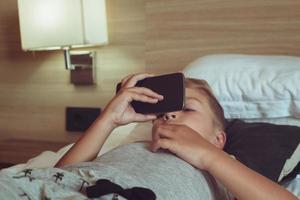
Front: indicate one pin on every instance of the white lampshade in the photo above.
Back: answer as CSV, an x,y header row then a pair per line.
x,y
55,24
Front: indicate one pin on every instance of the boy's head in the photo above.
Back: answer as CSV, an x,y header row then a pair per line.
x,y
202,112
203,87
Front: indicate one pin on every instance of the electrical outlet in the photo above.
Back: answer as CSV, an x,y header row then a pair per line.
x,y
79,119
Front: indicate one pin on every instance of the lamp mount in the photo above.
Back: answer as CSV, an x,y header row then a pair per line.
x,y
82,66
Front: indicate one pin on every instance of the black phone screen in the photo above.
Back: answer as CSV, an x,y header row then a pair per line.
x,y
171,86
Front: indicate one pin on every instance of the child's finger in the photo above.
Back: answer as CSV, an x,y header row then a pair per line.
x,y
143,98
135,78
155,135
125,79
161,132
146,91
161,143
143,118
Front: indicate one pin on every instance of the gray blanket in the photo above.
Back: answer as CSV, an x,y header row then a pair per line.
x,y
133,165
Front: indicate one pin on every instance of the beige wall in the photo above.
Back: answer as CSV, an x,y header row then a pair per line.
x,y
145,35
35,89
180,31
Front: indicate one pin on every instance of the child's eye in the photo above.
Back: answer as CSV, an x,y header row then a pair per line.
x,y
187,109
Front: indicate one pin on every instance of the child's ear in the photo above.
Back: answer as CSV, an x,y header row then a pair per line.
x,y
220,139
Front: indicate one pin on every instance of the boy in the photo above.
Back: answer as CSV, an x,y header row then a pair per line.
x,y
194,134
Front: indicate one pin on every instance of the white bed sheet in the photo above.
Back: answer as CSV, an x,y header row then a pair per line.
x,y
121,135
294,186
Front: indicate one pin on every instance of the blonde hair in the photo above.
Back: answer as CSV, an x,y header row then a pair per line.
x,y
215,106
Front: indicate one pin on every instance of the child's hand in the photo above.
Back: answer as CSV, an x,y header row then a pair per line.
x,y
186,143
119,110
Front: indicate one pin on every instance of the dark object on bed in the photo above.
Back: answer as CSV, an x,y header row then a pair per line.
x,y
104,187
263,147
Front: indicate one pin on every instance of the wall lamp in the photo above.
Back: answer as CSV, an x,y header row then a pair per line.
x,y
65,25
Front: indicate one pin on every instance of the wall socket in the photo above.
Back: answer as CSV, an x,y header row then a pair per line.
x,y
79,119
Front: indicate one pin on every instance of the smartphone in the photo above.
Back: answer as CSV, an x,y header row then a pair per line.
x,y
171,86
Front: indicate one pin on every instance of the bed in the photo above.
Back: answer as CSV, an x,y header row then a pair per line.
x,y
250,88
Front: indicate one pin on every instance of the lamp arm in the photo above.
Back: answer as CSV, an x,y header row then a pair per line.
x,y
67,56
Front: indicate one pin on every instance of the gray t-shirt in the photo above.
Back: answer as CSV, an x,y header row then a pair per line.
x,y
169,177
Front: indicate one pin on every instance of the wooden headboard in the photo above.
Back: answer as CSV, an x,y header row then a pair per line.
x,y
178,31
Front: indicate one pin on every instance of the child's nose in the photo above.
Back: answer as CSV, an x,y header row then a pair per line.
x,y
169,116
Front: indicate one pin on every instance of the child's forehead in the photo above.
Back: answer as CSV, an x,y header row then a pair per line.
x,y
196,94
192,94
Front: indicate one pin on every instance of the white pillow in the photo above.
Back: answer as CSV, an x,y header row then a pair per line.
x,y
251,86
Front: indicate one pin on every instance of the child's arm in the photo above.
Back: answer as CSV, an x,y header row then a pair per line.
x,y
240,180
117,112
243,182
